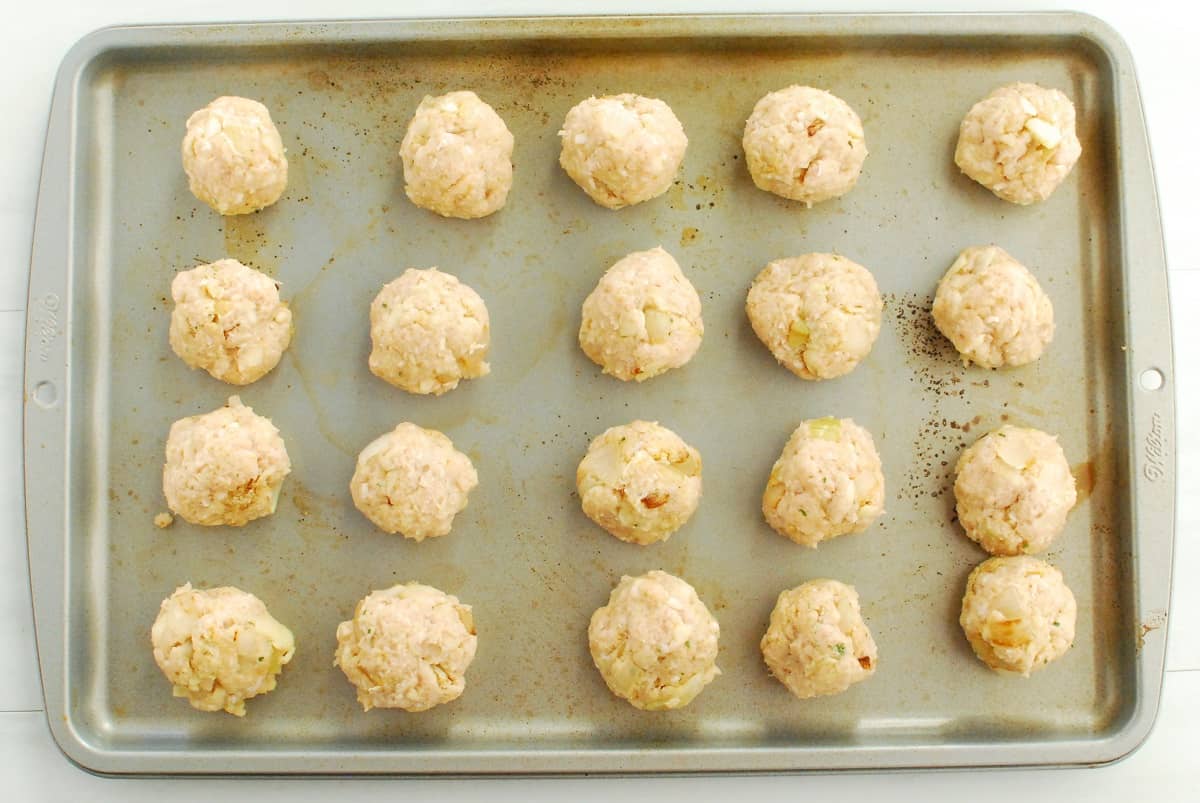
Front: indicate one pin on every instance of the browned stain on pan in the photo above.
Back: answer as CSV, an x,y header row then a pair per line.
x,y
1085,480
1158,620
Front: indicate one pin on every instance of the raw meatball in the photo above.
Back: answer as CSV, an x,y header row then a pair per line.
x,y
224,467
1018,613
219,647
428,331
640,482
233,156
992,309
828,482
622,149
1014,489
804,144
228,320
412,481
817,642
655,643
1019,142
407,647
457,156
643,318
819,314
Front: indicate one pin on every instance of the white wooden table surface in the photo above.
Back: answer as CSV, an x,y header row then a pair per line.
x,y
1166,768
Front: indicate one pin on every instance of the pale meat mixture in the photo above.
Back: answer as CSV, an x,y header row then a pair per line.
x,y
412,481
643,318
640,482
457,156
817,642
1018,614
234,157
992,309
219,647
819,314
827,482
622,149
228,320
407,647
1019,142
804,144
1014,489
428,332
224,467
655,643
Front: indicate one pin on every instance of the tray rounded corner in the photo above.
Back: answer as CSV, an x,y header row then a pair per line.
x,y
1132,734
1102,35
80,752
90,48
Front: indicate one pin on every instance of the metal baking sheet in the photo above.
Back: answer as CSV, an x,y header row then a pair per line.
x,y
115,221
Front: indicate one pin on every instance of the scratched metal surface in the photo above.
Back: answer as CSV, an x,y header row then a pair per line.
x,y
522,554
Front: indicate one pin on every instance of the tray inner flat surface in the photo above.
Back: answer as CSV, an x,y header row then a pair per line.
x,y
523,554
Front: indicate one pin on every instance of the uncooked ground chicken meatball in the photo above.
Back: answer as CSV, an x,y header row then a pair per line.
x,y
804,144
643,318
655,643
1014,489
819,314
457,156
992,309
428,331
234,157
407,647
412,481
640,482
1019,142
219,647
224,467
1018,614
827,482
817,642
229,321
622,149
